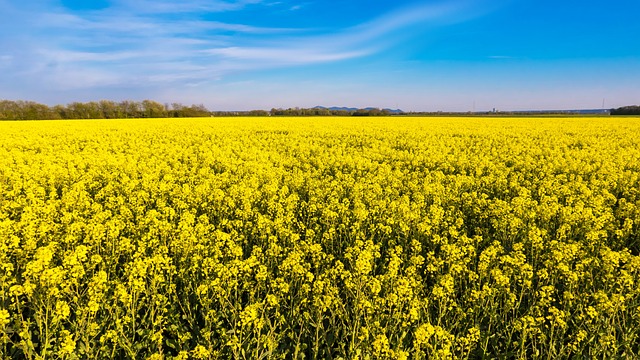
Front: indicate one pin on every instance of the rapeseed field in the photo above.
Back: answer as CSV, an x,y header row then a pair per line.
x,y
320,238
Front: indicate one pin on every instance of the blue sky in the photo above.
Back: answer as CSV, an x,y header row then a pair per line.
x,y
450,55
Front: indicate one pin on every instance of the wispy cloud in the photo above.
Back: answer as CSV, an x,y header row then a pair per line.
x,y
165,43
189,6
352,42
284,56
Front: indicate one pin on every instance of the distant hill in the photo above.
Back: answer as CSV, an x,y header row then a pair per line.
x,y
352,109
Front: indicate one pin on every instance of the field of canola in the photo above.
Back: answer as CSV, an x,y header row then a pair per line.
x,y
320,238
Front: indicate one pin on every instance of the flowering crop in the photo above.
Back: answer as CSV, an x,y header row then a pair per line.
x,y
385,238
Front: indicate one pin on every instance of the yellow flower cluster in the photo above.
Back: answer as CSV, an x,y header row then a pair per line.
x,y
277,238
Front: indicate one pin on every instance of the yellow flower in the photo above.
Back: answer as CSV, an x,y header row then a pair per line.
x,y
67,345
62,310
381,345
200,352
4,318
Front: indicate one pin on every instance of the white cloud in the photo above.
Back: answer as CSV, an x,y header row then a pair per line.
x,y
189,6
357,41
165,43
284,56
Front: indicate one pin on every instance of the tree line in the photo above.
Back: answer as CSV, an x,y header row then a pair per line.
x,y
626,110
104,109
321,111
127,109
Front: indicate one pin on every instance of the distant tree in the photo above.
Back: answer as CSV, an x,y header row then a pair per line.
x,y
130,109
34,111
375,112
195,111
60,111
26,110
176,110
152,109
258,113
94,111
110,109
78,110
361,112
8,110
323,112
626,110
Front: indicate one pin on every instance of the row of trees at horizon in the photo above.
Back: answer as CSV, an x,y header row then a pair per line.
x,y
626,110
321,111
127,109
104,109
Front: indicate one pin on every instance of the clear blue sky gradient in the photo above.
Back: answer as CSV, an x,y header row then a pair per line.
x,y
450,55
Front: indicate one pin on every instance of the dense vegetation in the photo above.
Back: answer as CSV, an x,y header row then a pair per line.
x,y
626,110
325,238
106,109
